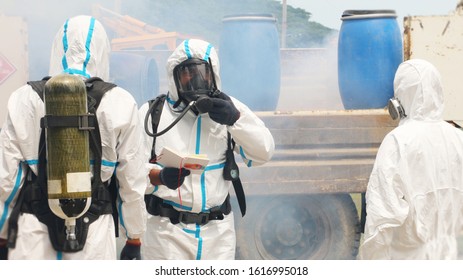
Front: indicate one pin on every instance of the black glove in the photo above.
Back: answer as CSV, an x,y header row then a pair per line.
x,y
203,104
173,177
221,95
3,253
223,111
131,251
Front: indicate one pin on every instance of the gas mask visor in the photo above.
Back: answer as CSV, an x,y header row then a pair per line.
x,y
193,79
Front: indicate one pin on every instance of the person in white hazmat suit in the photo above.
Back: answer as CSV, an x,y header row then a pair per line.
x,y
176,231
81,47
414,196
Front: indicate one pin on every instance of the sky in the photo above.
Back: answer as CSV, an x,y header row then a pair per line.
x,y
329,12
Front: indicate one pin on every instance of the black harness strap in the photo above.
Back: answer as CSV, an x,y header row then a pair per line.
x,y
83,122
155,117
96,88
363,212
39,86
240,196
239,191
14,216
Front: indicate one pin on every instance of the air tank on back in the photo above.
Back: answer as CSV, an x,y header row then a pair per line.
x,y
369,52
68,162
249,55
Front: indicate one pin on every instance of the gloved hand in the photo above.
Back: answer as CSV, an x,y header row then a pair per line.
x,y
221,95
223,111
173,177
203,104
3,250
131,250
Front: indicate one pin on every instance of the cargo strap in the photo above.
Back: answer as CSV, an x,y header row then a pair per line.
x,y
158,207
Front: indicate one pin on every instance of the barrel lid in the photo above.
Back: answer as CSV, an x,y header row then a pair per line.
x,y
361,14
250,16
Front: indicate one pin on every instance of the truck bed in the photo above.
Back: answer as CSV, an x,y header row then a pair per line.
x,y
319,152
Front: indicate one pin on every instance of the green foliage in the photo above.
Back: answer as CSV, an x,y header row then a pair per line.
x,y
203,18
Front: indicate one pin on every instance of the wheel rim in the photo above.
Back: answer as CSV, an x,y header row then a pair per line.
x,y
289,229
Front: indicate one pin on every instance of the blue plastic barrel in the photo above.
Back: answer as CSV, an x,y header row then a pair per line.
x,y
369,52
249,55
138,74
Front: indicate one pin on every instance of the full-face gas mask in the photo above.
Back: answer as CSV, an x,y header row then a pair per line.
x,y
194,78
195,82
396,110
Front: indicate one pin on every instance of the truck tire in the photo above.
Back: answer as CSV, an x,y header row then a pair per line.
x,y
303,227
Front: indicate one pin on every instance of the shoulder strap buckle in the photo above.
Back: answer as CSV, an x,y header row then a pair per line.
x,y
87,122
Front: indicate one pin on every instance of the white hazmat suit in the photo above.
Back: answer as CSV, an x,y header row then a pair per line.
x,y
81,47
199,134
415,192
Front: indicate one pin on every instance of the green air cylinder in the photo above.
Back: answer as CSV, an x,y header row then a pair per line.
x,y
68,163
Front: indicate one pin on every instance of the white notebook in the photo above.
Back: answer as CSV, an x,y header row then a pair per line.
x,y
196,163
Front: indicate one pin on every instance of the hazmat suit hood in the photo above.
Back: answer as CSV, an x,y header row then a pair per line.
x,y
417,85
81,47
191,48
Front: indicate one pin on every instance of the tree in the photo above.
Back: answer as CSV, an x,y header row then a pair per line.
x,y
203,18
